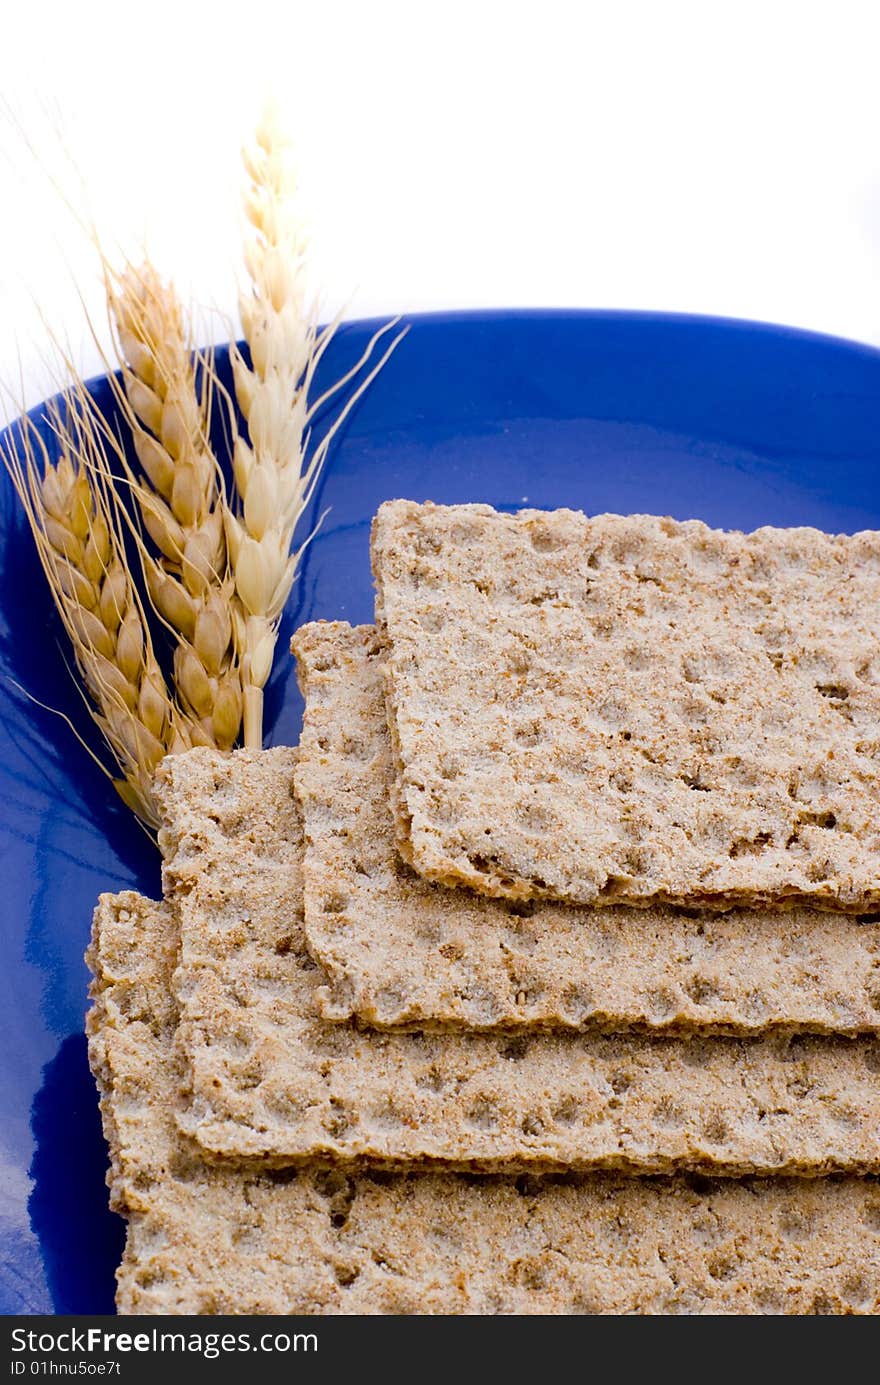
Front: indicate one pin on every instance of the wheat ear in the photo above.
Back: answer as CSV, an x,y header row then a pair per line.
x,y
77,530
274,477
180,497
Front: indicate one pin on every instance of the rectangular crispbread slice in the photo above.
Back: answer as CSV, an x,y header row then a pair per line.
x,y
270,1081
205,1239
398,950
633,709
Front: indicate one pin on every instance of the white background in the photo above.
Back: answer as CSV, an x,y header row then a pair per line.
x,y
719,158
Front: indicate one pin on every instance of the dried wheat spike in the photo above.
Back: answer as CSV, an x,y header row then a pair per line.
x,y
76,527
180,498
274,478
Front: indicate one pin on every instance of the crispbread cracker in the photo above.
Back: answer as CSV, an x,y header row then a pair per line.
x,y
268,1080
205,1239
399,950
633,709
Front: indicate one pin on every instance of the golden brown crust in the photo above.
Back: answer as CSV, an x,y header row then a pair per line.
x,y
205,1239
624,710
401,951
270,1081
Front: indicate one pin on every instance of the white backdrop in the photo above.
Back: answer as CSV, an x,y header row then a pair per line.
x,y
713,157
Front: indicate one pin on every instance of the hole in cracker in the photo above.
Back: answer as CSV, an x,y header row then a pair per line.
x,y
836,692
698,1183
826,820
337,1125
796,1224
796,1048
534,818
281,1177
520,908
857,1292
489,866
636,658
819,871
528,733
518,936
281,1106
822,1305
702,990
694,781
151,1276
662,1002
721,1266
716,1129
615,885
637,861
453,951
750,846
426,544
668,1113
799,1086
528,1185
335,903
696,1052
566,1112
390,1002
340,1192
872,1058
247,1076
430,1081
449,767
527,990
578,1002
871,1216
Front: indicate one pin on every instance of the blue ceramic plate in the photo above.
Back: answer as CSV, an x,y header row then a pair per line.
x,y
739,425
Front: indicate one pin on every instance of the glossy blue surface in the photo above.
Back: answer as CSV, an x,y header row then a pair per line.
x,y
736,424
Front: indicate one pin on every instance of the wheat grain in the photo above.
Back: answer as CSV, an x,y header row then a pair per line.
x,y
274,478
75,523
180,497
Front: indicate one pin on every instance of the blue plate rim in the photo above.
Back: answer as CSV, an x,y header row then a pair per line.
x,y
465,316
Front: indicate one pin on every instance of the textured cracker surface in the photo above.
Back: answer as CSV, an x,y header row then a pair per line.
x,y
270,1081
633,709
203,1239
399,950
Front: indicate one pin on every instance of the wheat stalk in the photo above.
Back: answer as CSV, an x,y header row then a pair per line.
x,y
75,522
274,478
180,497
219,580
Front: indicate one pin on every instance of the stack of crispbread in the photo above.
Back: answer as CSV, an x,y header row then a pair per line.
x,y
543,976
